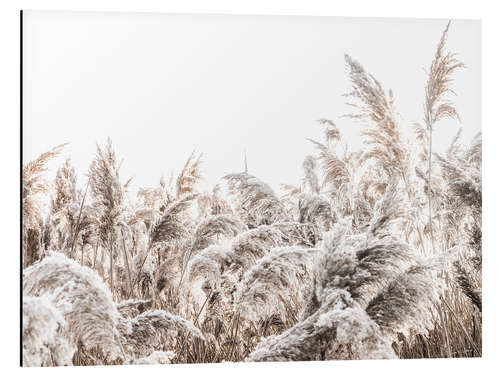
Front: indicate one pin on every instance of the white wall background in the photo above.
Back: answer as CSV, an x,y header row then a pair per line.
x,y
163,85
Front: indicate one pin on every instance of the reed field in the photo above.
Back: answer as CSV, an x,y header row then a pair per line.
x,y
376,254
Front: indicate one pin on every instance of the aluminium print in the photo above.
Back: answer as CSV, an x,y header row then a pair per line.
x,y
207,188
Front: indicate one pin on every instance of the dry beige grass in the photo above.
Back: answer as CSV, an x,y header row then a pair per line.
x,y
377,254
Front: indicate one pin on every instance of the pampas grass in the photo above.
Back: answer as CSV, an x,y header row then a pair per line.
x,y
437,106
153,330
255,200
45,338
373,254
80,296
274,279
34,185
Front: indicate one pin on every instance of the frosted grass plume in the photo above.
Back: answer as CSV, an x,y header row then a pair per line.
x,y
80,296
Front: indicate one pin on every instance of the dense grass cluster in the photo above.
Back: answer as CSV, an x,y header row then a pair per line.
x,y
377,254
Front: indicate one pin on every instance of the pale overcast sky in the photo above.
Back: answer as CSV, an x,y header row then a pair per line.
x,y
163,85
